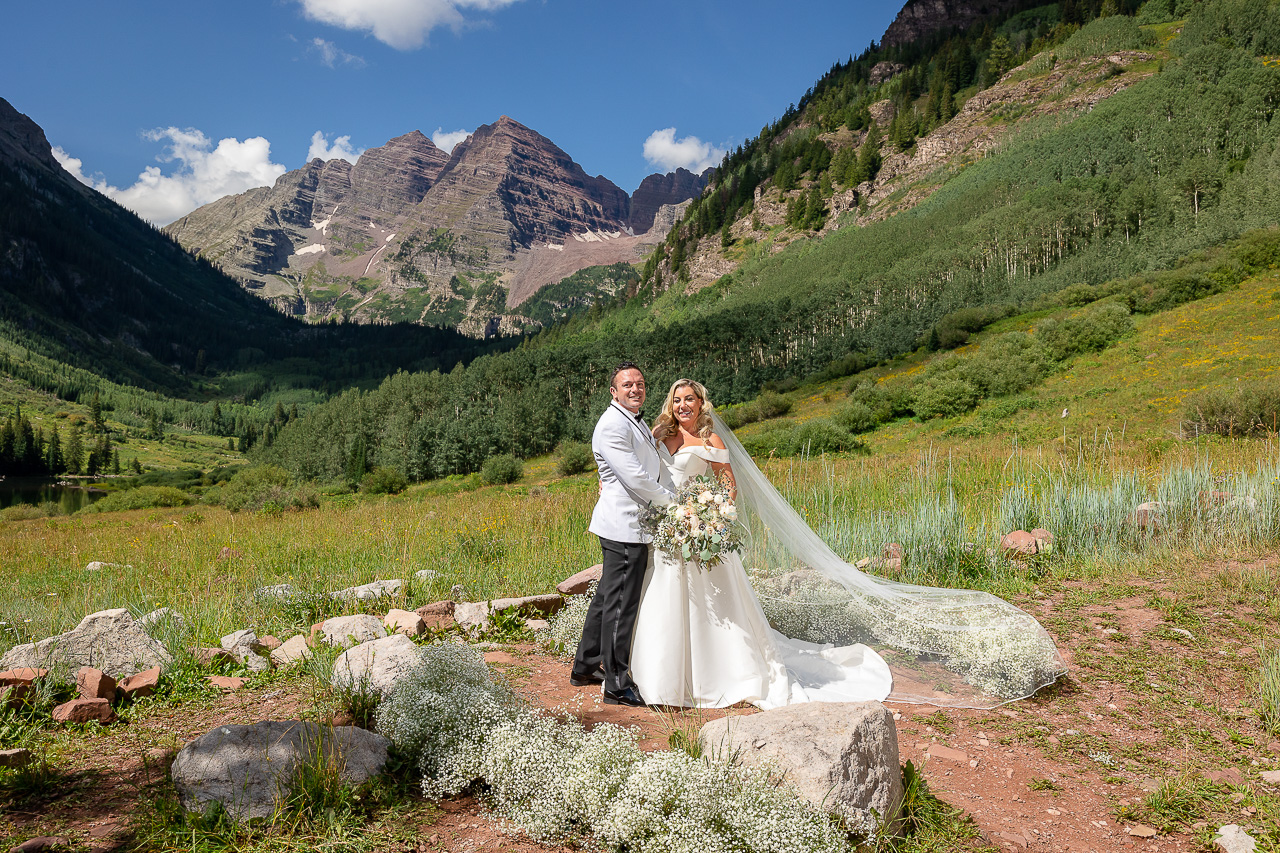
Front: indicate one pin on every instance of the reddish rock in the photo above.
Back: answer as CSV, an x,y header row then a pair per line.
x,y
1215,498
1042,537
226,682
1019,543
270,643
946,752
95,684
1230,776
893,551
42,842
207,656
84,711
23,757
142,684
438,615
579,583
18,682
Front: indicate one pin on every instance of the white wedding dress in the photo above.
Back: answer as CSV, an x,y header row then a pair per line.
x,y
701,638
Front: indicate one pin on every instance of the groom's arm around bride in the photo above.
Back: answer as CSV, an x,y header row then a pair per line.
x,y
631,477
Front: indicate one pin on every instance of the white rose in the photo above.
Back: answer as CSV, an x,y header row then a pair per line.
x,y
729,511
704,498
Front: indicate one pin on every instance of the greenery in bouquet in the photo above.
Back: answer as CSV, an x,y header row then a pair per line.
x,y
700,526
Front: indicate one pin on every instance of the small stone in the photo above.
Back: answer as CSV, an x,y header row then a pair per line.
x,y
212,657
581,582
1230,776
537,625
84,711
247,649
15,757
292,651
100,566
424,576
369,591
278,592
1147,516
1183,632
458,592
946,752
40,843
405,622
1140,831
1233,839
1053,740
437,616
226,682
1274,746
18,682
142,684
1271,777
1019,543
95,684
1042,537
269,642
1016,840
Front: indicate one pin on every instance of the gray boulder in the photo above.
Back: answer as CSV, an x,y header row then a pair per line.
x,y
245,647
474,616
246,768
109,640
1233,839
841,756
375,665
347,631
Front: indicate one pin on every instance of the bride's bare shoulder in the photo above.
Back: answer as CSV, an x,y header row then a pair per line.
x,y
715,441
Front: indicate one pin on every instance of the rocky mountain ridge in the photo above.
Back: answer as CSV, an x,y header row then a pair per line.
x,y
410,233
921,18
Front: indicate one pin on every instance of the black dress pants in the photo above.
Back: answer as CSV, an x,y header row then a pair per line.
x,y
611,617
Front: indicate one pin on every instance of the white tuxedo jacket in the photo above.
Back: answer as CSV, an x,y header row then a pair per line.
x,y
631,475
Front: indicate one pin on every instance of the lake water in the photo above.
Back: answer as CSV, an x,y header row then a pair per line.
x,y
37,490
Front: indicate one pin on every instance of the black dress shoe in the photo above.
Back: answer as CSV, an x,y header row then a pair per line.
x,y
626,696
576,680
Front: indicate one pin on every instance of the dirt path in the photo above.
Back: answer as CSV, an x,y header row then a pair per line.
x,y
1158,681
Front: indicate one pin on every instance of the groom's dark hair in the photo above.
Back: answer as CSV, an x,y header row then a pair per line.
x,y
625,365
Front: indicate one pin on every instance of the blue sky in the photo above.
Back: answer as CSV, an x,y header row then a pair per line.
x,y
169,105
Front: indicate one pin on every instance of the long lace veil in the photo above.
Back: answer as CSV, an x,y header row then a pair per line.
x,y
950,647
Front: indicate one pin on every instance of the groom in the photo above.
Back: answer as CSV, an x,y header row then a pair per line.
x,y
631,477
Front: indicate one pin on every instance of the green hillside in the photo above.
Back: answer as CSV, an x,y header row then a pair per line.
x,y
1072,207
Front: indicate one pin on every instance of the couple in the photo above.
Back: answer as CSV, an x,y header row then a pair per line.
x,y
663,632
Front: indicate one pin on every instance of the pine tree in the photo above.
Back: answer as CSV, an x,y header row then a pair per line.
x,y
75,450
95,414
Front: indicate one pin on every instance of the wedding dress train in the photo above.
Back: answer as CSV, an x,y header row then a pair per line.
x,y
702,640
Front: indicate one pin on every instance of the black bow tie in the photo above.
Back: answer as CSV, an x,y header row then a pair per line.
x,y
639,417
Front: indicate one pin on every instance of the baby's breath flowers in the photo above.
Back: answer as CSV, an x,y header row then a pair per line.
x,y
700,526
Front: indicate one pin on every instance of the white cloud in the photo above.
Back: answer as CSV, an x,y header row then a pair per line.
x,y
205,173
339,149
663,150
333,56
446,141
403,24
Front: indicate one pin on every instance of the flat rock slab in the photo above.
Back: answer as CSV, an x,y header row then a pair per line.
x,y
841,756
15,757
292,651
581,582
142,684
405,622
84,711
376,665
42,842
245,768
474,616
369,591
347,631
109,640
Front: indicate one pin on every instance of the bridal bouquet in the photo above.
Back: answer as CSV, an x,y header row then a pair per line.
x,y
700,525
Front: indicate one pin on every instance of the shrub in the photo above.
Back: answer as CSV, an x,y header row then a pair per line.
x,y
812,437
945,398
143,497
263,487
501,469
767,406
771,404
954,329
1007,364
21,512
1250,410
1094,330
574,457
857,417
383,481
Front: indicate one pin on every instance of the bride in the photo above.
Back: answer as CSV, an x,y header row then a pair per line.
x,y
702,637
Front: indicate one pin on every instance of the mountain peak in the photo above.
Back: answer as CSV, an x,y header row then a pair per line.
x,y
22,139
920,18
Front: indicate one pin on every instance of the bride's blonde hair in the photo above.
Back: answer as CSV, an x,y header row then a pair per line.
x,y
667,423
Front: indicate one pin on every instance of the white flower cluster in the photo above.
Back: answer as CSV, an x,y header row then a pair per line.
x,y
566,625
699,526
558,781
